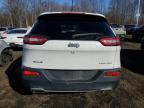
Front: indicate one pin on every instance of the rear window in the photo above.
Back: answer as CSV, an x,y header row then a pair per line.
x,y
17,31
2,29
72,28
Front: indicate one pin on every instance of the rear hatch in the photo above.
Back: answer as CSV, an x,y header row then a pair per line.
x,y
70,42
14,38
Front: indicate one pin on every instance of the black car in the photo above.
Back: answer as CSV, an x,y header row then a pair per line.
x,y
132,30
129,28
138,33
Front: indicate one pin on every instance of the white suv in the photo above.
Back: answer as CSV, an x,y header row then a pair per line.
x,y
71,52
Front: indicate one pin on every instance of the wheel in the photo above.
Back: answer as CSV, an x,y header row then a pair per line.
x,y
6,57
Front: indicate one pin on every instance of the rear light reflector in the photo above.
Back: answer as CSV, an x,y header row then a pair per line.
x,y
113,73
35,40
31,73
110,41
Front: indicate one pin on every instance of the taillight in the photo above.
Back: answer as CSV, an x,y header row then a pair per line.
x,y
4,34
113,73
31,73
110,41
35,40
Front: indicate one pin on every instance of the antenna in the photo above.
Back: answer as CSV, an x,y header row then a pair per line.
x,y
72,5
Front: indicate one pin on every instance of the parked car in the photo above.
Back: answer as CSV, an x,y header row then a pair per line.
x,y
6,53
134,29
5,29
71,52
128,28
138,33
119,30
2,29
15,37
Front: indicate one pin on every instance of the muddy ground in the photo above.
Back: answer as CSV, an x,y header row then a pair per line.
x,y
129,93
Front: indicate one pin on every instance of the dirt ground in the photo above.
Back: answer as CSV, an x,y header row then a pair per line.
x,y
129,93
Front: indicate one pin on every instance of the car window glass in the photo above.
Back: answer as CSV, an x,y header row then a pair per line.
x,y
2,29
66,29
17,31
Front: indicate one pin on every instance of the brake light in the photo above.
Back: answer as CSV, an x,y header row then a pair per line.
x,y
113,73
35,40
110,41
31,73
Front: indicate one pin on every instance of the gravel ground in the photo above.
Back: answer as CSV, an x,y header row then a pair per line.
x,y
129,93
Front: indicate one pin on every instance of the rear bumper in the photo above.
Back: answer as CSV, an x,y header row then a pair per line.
x,y
71,87
40,84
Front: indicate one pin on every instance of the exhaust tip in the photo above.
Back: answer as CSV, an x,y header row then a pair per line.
x,y
38,90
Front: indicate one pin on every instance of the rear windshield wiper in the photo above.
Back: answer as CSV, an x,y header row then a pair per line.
x,y
89,36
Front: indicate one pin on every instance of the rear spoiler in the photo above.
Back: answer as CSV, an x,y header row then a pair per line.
x,y
51,15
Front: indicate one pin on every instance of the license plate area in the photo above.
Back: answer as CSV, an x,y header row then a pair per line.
x,y
66,75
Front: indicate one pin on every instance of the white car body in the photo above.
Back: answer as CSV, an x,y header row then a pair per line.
x,y
56,55
69,55
15,38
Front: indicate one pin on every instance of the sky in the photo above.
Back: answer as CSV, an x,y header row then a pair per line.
x,y
104,1
62,1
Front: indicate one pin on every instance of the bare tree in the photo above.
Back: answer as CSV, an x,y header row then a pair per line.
x,y
122,11
23,13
